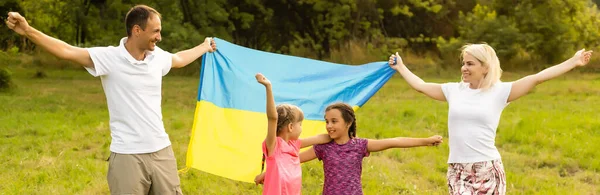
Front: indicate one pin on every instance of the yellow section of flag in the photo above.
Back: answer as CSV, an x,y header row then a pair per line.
x,y
228,142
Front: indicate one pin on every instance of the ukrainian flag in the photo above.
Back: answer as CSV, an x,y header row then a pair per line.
x,y
230,122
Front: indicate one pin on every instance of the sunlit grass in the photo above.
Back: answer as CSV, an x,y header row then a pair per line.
x,y
54,138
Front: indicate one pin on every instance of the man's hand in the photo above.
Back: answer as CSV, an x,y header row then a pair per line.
x,y
17,23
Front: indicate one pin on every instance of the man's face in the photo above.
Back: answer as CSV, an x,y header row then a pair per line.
x,y
149,36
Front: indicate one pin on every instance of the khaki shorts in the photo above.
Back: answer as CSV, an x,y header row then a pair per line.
x,y
150,173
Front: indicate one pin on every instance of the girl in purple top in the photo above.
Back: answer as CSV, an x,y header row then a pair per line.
x,y
342,157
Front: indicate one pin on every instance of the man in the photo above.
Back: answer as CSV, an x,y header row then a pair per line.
x,y
141,160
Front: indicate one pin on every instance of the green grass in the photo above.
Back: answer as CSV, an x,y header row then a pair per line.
x,y
54,138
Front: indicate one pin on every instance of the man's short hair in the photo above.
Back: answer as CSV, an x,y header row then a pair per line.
x,y
138,15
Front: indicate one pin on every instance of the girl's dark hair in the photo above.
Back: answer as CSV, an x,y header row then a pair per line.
x,y
347,115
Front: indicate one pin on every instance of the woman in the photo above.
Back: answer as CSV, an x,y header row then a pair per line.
x,y
475,106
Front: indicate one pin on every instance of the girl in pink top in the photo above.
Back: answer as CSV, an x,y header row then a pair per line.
x,y
281,146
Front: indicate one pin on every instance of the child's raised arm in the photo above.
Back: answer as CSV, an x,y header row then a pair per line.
x,y
271,139
318,139
402,142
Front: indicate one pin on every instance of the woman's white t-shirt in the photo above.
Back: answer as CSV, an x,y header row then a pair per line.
x,y
473,118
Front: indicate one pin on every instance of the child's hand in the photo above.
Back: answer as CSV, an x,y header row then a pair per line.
x,y
435,140
262,79
259,179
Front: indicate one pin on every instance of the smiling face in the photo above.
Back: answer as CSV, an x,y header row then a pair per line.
x,y
480,66
148,37
336,126
472,69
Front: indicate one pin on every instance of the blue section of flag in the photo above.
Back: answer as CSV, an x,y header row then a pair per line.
x,y
227,80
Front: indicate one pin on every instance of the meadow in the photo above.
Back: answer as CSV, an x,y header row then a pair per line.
x,y
54,137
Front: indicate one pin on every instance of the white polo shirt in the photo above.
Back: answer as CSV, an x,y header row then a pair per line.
x,y
133,95
473,118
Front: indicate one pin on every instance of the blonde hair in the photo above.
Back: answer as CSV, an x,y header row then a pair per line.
x,y
488,58
286,114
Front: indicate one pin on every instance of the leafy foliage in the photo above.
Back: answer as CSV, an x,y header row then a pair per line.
x,y
547,31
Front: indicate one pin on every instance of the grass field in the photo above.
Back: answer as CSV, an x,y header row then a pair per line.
x,y
54,138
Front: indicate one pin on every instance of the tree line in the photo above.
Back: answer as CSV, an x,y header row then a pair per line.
x,y
547,31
